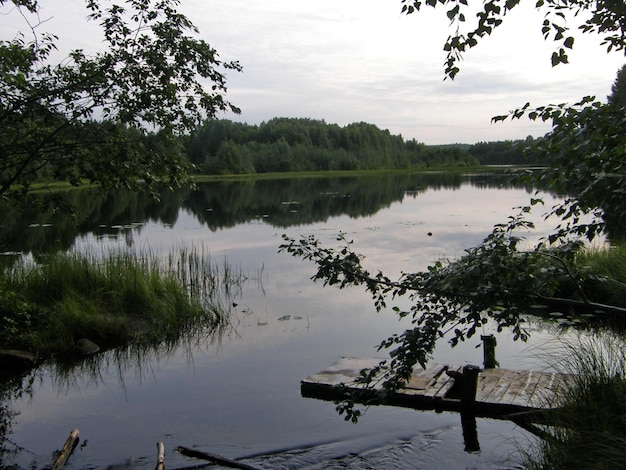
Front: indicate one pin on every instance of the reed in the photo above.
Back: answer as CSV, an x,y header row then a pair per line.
x,y
111,299
589,428
608,268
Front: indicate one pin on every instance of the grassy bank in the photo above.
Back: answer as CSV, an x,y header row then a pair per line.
x,y
590,430
590,424
608,273
59,186
340,173
113,299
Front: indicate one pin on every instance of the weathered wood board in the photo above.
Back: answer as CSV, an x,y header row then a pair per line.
x,y
499,391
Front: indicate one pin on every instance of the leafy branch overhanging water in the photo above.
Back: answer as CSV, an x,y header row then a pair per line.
x,y
495,281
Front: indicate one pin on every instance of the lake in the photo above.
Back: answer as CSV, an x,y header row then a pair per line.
x,y
238,394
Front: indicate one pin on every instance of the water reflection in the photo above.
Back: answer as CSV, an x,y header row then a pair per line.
x,y
238,395
280,203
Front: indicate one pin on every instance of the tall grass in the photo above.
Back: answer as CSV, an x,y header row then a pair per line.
x,y
607,283
111,299
589,428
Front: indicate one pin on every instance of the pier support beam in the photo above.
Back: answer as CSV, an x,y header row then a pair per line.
x,y
469,382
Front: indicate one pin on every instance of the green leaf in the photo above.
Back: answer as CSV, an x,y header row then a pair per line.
x,y
555,59
451,14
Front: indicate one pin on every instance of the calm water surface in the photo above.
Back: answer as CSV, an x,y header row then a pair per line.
x,y
239,394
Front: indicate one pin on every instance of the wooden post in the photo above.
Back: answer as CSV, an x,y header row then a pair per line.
x,y
489,352
160,457
68,447
469,384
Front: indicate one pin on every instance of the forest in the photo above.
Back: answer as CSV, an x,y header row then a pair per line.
x,y
224,147
298,144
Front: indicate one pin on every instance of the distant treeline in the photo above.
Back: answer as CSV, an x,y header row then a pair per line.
x,y
507,152
290,144
296,144
223,147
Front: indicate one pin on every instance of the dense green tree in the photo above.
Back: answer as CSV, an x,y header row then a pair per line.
x,y
153,73
618,90
506,152
497,280
293,144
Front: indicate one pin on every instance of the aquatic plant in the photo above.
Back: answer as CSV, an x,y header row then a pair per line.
x,y
589,427
111,299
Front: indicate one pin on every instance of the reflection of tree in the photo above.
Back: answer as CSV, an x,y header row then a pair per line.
x,y
27,229
299,201
11,388
280,203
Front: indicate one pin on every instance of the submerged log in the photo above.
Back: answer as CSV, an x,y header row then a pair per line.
x,y
68,448
224,461
581,306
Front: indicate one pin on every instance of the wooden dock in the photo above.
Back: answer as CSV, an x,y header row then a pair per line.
x,y
500,393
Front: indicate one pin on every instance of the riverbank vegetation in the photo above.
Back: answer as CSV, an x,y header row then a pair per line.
x,y
222,147
49,306
281,146
607,266
588,425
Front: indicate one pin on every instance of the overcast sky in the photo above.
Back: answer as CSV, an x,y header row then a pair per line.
x,y
361,60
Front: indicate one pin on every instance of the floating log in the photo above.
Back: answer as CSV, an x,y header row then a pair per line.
x,y
66,451
160,456
498,392
224,461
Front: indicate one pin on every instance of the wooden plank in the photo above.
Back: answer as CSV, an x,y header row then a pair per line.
x,y
538,396
507,387
214,458
160,456
66,451
526,392
502,387
421,379
344,371
440,385
499,391
560,381
517,386
487,381
544,393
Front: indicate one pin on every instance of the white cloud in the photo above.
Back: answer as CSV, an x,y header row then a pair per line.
x,y
361,60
